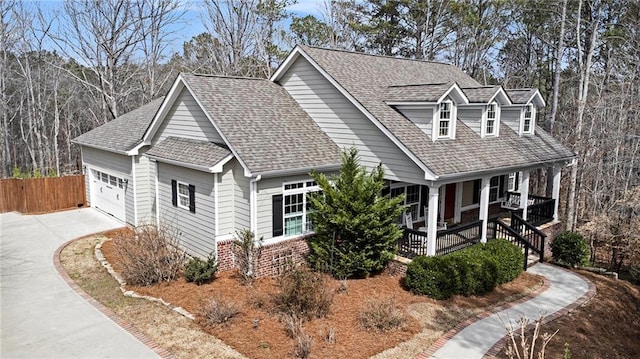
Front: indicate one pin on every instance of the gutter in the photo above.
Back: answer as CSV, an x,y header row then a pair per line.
x,y
296,171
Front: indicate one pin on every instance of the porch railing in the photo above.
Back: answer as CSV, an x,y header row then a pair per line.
x,y
541,212
496,228
533,235
414,243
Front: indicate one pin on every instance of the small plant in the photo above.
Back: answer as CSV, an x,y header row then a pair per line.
x,y
149,255
520,346
218,311
292,324
248,252
570,248
303,293
200,271
381,315
331,335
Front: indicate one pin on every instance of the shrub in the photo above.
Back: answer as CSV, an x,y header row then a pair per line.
x,y
303,294
218,311
478,272
508,257
355,228
200,271
570,248
149,255
381,314
247,251
435,277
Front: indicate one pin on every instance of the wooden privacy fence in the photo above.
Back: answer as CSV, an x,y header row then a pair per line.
x,y
40,195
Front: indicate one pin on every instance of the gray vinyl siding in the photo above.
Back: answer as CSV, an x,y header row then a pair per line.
x,y
472,117
226,207
423,118
242,193
145,189
196,231
267,188
186,119
345,124
511,117
114,164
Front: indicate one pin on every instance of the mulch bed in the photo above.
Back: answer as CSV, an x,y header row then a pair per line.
x,y
269,339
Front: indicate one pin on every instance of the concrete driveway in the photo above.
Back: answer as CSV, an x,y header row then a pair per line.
x,y
40,315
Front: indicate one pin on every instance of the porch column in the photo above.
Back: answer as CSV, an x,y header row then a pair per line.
x,y
457,214
524,193
432,220
484,206
555,194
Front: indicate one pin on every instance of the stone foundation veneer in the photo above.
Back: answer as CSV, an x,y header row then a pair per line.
x,y
274,259
552,230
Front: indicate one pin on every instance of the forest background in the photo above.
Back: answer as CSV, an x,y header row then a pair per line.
x,y
69,66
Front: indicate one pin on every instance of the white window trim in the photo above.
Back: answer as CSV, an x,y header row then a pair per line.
x,y
306,189
452,121
496,122
532,124
178,194
417,218
512,185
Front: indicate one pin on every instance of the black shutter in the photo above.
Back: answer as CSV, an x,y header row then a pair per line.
x,y
192,198
277,215
476,191
503,179
174,192
517,186
424,199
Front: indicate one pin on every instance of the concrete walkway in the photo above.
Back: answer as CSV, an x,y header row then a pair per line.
x,y
40,315
566,289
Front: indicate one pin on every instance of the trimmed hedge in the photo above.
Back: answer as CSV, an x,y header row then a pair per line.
x,y
475,270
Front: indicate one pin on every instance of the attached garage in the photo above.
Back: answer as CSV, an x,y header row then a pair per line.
x,y
108,193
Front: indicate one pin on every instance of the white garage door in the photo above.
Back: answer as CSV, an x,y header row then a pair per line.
x,y
107,193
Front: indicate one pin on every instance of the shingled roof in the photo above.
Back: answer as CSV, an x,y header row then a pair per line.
x,y
263,124
480,94
123,133
417,93
521,96
188,151
367,78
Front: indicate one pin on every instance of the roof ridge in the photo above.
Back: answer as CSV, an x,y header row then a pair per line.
x,y
223,76
523,89
481,87
376,55
424,84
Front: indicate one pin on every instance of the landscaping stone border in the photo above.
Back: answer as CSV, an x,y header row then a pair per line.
x,y
143,338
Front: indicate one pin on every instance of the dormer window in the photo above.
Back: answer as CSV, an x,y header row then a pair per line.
x,y
444,120
527,119
491,124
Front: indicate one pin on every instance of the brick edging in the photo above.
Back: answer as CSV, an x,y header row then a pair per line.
x,y
458,328
497,347
590,293
143,338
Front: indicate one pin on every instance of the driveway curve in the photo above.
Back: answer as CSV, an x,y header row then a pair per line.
x,y
40,315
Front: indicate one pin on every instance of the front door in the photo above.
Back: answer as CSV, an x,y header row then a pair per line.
x,y
449,202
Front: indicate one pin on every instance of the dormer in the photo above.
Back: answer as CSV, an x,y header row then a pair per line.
x,y
431,107
522,114
483,113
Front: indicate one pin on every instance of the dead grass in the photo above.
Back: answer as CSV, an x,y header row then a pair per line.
x,y
179,335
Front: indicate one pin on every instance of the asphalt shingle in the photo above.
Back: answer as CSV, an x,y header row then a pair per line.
x,y
417,93
123,133
189,151
263,124
368,78
480,94
520,96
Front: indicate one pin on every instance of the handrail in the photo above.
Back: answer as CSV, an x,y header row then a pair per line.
x,y
514,237
528,231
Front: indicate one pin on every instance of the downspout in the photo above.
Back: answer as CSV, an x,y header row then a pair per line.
x,y
135,190
157,197
253,206
215,214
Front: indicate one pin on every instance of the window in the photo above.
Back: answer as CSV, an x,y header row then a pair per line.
x,y
296,207
512,182
527,121
411,199
492,115
494,188
444,123
183,195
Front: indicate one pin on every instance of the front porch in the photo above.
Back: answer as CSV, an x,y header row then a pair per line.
x,y
476,211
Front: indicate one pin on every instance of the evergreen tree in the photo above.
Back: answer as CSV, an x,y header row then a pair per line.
x,y
355,225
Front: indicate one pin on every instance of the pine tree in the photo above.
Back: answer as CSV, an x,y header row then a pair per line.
x,y
356,229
